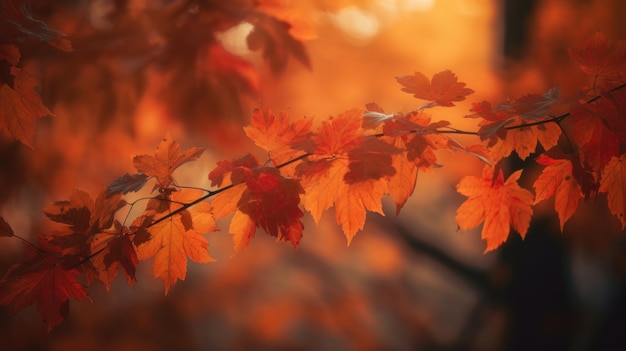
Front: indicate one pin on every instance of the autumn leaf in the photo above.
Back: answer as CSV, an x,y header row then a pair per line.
x,y
177,237
442,90
276,134
557,179
590,130
613,182
127,183
261,198
370,160
533,106
114,250
276,41
323,174
5,228
499,204
167,158
524,140
299,27
81,217
20,106
603,59
419,137
43,280
272,202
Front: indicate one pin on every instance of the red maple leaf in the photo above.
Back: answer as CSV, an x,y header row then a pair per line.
x,y
45,279
499,204
605,60
262,197
591,131
443,89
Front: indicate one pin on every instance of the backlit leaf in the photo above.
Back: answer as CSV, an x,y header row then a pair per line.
x,y
443,89
499,204
557,179
613,182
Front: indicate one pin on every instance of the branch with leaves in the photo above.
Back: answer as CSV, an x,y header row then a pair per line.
x,y
349,162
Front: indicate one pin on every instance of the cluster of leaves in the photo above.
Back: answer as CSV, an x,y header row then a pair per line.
x,y
177,41
20,104
350,162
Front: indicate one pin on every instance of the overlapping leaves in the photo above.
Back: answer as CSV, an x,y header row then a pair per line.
x,y
348,163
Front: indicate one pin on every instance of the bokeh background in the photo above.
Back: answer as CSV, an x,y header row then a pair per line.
x,y
141,69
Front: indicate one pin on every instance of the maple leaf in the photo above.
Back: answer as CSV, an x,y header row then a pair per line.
x,y
20,106
533,106
443,89
127,183
370,160
5,228
590,130
493,126
274,38
499,204
222,173
262,197
83,217
276,134
177,237
112,250
271,201
524,140
613,182
167,158
557,178
323,174
43,279
603,59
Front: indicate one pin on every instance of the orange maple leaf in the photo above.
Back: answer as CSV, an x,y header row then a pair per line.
x,y
20,106
167,158
613,182
414,133
557,179
323,175
499,204
524,140
177,237
443,89
45,280
276,134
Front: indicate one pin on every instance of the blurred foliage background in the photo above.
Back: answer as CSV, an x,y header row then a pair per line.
x,y
140,69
